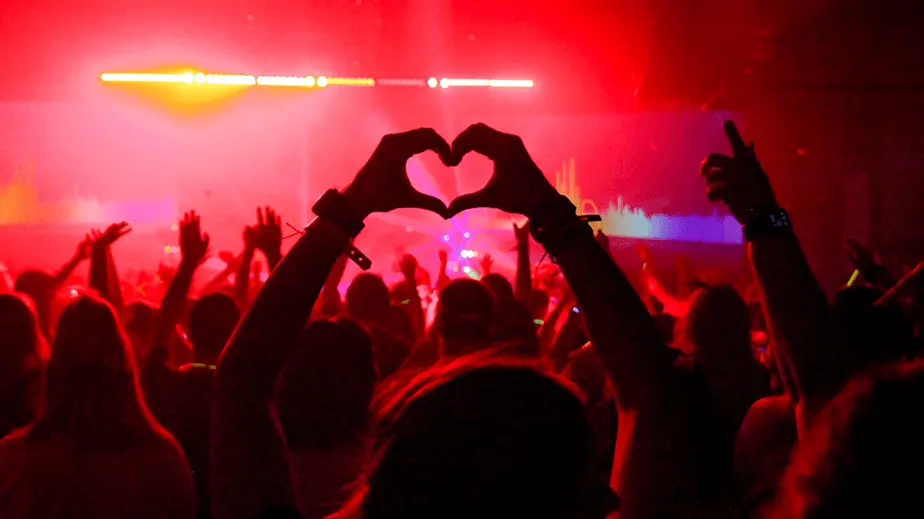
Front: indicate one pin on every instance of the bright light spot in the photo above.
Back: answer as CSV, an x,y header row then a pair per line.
x,y
188,78
174,227
200,78
444,83
467,234
167,249
432,82
465,82
322,81
466,269
74,292
467,253
445,237
309,81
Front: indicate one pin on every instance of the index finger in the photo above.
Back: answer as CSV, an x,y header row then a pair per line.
x,y
734,138
423,139
480,138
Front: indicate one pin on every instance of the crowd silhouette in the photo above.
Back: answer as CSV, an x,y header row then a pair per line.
x,y
581,393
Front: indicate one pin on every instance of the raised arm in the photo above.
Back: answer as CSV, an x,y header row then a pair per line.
x,y
414,307
101,278
231,266
801,324
250,473
194,246
442,279
242,276
84,248
654,466
524,279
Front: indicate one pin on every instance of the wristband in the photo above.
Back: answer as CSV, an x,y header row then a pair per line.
x,y
762,223
333,207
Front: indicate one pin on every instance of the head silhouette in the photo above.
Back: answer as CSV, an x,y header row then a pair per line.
x,y
91,392
718,326
465,317
140,327
500,287
367,299
212,320
863,453
22,354
40,287
482,438
324,393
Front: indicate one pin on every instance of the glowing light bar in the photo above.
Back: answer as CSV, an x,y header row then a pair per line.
x,y
351,81
511,83
401,82
287,81
225,79
201,78
495,83
147,78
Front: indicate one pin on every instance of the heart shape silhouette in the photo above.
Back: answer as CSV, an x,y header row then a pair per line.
x,y
516,185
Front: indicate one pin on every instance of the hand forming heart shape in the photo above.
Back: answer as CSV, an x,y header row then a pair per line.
x,y
516,185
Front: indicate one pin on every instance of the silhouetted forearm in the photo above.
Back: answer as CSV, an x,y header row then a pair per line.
x,y
801,324
250,469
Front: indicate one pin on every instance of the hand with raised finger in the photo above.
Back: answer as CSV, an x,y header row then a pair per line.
x,y
521,234
194,245
382,184
738,180
517,184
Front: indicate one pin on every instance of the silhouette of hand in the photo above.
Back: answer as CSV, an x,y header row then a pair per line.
x,y
521,233
84,248
444,258
861,257
408,267
194,245
110,235
738,180
383,185
267,234
486,264
249,236
517,184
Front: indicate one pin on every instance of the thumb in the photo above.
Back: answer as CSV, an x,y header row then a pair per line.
x,y
469,201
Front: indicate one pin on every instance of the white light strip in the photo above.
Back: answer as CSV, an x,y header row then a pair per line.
x,y
148,78
511,83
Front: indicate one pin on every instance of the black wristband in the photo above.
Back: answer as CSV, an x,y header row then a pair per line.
x,y
765,222
333,207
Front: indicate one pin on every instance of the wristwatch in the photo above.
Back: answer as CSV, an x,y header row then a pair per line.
x,y
767,221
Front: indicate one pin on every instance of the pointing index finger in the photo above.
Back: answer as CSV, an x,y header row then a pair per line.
x,y
739,148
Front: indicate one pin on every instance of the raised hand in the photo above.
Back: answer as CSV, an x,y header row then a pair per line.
x,y
444,258
486,264
408,267
517,184
84,248
738,180
104,239
194,245
249,236
861,257
521,233
383,185
267,234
